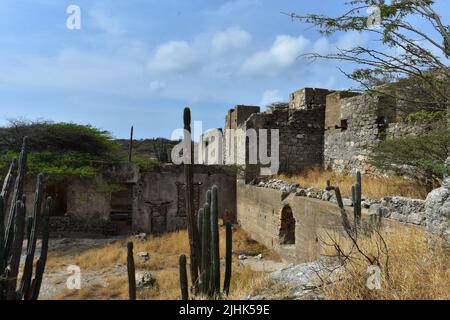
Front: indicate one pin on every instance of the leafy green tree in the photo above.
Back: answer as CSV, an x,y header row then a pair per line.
x,y
58,150
401,52
421,156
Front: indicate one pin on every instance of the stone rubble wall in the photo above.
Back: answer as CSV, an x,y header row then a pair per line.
x,y
402,209
370,119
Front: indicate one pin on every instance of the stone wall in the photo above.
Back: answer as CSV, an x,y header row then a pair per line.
x,y
308,98
362,122
301,130
260,213
260,210
300,133
159,199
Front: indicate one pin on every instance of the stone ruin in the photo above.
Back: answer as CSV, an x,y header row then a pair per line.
x,y
334,130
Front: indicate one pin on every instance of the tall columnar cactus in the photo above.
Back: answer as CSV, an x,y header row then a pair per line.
x,y
228,258
215,255
205,284
12,236
356,198
194,243
208,220
131,272
183,278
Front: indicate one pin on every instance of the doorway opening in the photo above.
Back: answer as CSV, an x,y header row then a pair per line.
x,y
287,226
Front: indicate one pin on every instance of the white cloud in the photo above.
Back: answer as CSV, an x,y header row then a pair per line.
x,y
156,86
270,96
283,54
173,56
351,39
105,22
231,38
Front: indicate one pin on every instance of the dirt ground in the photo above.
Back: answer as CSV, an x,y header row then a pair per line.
x,y
103,271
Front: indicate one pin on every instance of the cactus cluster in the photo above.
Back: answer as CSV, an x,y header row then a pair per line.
x,y
356,199
203,232
208,224
15,228
368,227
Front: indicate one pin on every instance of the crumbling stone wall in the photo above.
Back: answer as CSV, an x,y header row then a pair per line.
x,y
300,133
159,200
355,125
301,130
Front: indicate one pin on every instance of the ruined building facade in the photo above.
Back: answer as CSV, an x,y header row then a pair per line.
x,y
333,130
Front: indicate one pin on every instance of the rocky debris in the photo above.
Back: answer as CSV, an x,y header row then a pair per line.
x,y
279,185
314,193
327,195
250,297
303,278
145,280
403,209
259,256
347,202
301,193
141,237
61,226
437,211
143,256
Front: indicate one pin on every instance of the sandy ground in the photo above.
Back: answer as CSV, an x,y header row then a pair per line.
x,y
56,278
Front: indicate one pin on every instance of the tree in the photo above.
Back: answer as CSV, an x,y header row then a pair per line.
x,y
404,54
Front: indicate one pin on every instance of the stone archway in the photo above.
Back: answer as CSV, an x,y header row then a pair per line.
x,y
287,226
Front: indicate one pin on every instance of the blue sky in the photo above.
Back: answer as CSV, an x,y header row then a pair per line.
x,y
139,62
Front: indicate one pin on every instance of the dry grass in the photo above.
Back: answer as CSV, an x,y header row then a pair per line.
x,y
372,187
416,271
164,252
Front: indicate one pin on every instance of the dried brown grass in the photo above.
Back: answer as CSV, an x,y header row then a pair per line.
x,y
372,187
416,270
164,252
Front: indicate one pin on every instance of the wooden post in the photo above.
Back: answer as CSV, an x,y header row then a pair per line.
x,y
131,144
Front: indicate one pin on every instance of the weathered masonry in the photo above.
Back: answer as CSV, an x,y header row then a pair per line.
x,y
334,130
122,198
297,226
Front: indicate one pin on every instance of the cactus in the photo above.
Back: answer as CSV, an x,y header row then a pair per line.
x,y
13,202
200,215
356,199
194,244
228,258
357,204
206,251
183,278
32,238
131,272
35,287
215,255
207,219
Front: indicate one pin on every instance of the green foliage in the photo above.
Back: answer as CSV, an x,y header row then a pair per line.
x,y
419,65
58,150
429,116
107,187
422,155
58,137
145,164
